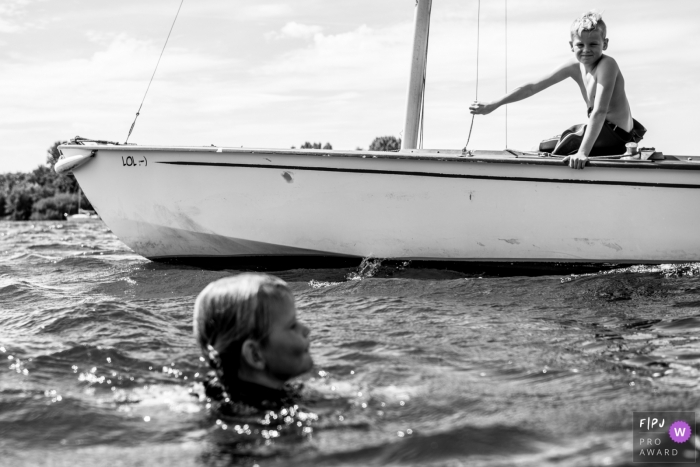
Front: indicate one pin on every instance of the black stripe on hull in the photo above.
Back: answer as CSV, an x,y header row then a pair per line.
x,y
492,268
437,175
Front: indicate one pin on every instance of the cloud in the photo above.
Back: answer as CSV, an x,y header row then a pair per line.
x,y
13,7
97,96
295,31
363,58
264,11
8,27
13,13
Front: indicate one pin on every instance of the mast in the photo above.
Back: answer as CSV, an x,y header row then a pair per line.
x,y
416,84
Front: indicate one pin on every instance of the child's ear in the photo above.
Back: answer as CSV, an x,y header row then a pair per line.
x,y
605,44
251,354
571,44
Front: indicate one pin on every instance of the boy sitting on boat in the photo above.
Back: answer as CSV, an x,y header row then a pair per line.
x,y
610,124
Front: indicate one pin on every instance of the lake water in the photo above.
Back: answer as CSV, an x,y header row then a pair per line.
x,y
417,367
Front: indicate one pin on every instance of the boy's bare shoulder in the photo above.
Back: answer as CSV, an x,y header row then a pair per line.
x,y
608,63
607,69
570,66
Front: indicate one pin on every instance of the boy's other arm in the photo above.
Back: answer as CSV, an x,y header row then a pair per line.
x,y
559,74
606,75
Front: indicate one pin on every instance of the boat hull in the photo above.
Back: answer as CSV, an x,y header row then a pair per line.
x,y
198,203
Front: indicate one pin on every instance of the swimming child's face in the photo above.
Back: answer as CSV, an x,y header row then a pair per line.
x,y
589,46
286,350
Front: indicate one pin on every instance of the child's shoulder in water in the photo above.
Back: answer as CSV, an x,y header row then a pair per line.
x,y
246,397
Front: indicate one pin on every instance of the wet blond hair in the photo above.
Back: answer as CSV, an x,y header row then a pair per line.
x,y
230,310
589,21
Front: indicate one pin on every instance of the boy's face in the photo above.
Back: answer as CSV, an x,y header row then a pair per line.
x,y
286,351
589,46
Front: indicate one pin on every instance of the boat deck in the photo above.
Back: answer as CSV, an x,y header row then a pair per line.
x,y
508,156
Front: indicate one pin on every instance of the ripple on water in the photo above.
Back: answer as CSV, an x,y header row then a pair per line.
x,y
679,326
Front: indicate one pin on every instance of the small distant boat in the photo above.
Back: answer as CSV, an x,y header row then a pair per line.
x,y
83,214
237,205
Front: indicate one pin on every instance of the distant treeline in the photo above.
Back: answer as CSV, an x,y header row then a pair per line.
x,y
42,194
380,143
385,143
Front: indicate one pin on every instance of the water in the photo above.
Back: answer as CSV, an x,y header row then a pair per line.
x,y
413,367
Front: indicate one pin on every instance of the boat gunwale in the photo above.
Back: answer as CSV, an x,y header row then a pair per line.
x,y
449,155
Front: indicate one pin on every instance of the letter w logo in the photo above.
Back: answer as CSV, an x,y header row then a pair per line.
x,y
680,431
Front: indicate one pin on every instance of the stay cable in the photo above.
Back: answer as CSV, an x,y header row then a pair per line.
x,y
476,96
138,112
506,64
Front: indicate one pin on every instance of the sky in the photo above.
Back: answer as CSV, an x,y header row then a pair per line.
x,y
274,74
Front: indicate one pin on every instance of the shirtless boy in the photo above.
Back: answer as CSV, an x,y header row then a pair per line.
x,y
598,77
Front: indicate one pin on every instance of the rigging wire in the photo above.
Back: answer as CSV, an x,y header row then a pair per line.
x,y
476,97
506,64
422,97
138,112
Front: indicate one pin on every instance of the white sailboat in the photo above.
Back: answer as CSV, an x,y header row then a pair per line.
x,y
83,214
237,205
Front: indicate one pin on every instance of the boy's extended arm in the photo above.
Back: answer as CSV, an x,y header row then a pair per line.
x,y
606,75
559,74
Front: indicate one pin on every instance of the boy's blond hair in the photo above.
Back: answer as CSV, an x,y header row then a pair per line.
x,y
589,21
233,309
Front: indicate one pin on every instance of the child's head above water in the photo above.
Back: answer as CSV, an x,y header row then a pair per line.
x,y
589,21
247,329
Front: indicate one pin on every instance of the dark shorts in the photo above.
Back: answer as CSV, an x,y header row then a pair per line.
x,y
611,140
